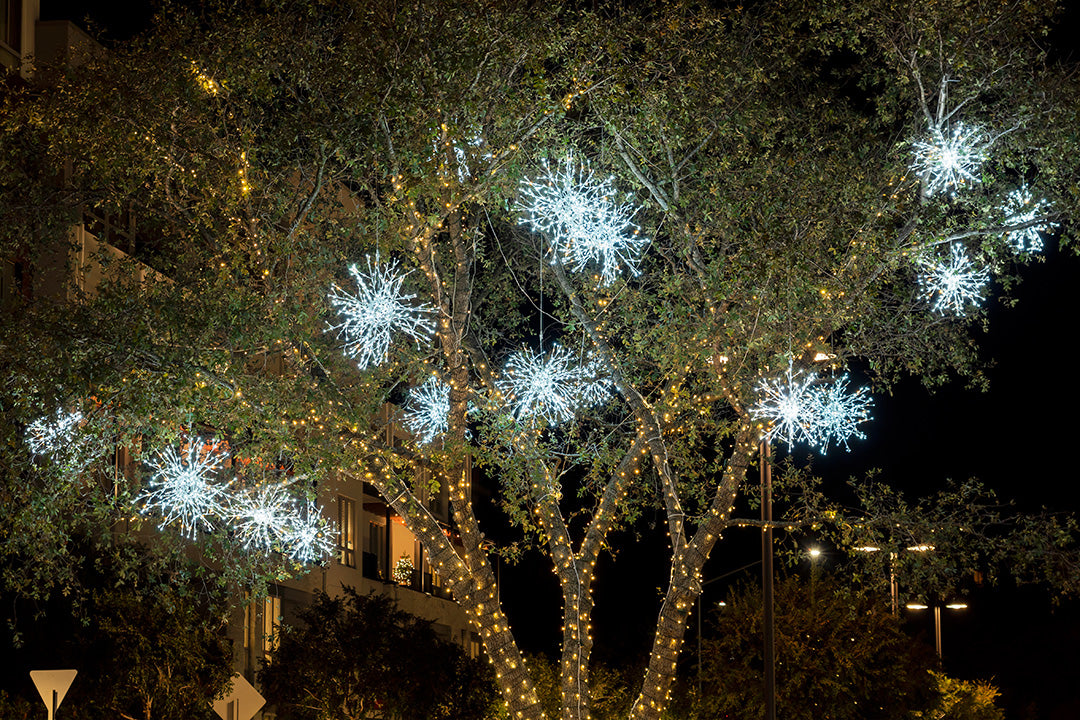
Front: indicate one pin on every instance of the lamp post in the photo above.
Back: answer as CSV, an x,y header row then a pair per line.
x,y
894,587
767,582
937,619
814,554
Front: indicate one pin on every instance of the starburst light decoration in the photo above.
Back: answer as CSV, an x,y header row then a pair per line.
x,y
379,309
1021,207
838,412
804,408
950,158
954,284
585,222
307,536
428,411
550,387
787,404
261,515
54,434
183,488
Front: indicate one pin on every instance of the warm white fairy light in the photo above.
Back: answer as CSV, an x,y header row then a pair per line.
x,y
1020,208
954,284
838,412
584,220
800,407
307,536
183,488
379,309
552,386
261,515
53,434
428,411
950,158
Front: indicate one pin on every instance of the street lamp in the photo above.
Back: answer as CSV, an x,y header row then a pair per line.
x,y
894,587
814,554
937,619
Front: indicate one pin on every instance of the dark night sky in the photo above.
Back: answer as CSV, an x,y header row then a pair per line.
x,y
1019,438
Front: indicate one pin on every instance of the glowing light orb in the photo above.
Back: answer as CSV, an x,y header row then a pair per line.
x,y
949,159
586,224
308,536
804,408
1021,207
55,434
837,413
379,309
261,515
954,284
787,405
428,411
183,489
551,387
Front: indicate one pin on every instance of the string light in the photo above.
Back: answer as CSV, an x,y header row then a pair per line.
x,y
307,535
954,284
427,415
585,222
550,387
378,310
183,489
1021,207
838,412
53,434
801,407
260,516
949,159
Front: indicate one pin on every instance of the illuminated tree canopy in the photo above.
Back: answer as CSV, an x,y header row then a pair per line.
x,y
755,189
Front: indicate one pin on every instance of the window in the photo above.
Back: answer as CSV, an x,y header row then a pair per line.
x,y
271,625
346,531
11,24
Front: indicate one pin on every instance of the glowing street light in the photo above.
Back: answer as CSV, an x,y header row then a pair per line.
x,y
937,619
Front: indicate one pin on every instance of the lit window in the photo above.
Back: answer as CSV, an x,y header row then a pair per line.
x,y
346,531
271,624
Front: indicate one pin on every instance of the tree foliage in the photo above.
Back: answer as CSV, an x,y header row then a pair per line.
x,y
839,654
264,147
144,628
357,656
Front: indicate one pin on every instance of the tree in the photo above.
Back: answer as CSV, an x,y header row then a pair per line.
x,y
839,654
816,180
358,656
144,628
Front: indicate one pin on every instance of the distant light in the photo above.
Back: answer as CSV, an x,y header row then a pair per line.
x,y
815,552
956,606
867,548
920,548
822,357
721,604
916,606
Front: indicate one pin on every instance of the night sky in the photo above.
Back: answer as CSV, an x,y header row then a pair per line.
x,y
1019,438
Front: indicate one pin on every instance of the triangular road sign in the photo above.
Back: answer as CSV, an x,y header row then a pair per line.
x,y
240,704
53,686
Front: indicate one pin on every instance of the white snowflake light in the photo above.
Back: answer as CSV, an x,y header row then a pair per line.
x,y
1020,208
838,413
379,309
811,410
551,387
954,284
585,222
428,411
787,405
183,489
949,159
51,435
307,537
261,516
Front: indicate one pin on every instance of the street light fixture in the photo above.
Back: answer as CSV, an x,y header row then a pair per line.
x,y
937,619
894,587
